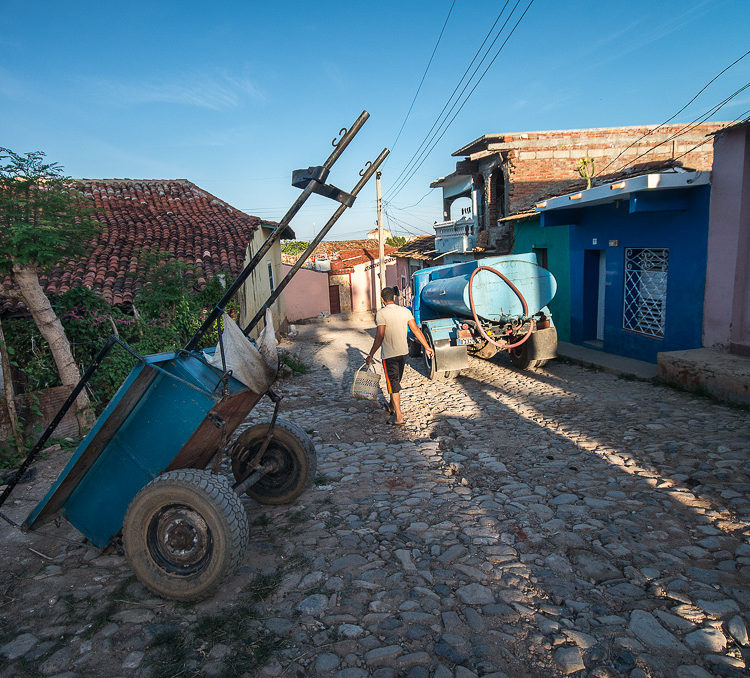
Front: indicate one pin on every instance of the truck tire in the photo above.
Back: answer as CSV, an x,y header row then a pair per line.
x,y
415,348
290,450
519,356
432,373
184,533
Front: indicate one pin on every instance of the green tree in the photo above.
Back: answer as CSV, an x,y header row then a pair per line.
x,y
44,220
396,241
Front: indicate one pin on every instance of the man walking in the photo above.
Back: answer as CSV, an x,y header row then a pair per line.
x,y
392,321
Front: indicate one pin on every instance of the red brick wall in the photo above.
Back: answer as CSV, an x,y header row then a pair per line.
x,y
544,164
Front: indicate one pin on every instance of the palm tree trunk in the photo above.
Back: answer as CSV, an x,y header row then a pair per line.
x,y
52,330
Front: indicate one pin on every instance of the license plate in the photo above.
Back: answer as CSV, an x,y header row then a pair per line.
x,y
461,341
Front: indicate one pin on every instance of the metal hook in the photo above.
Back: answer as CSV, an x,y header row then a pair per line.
x,y
364,169
342,131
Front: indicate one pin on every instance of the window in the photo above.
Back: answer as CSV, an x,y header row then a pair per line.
x,y
645,294
541,256
270,275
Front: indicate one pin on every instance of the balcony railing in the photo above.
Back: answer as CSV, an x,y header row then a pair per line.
x,y
458,235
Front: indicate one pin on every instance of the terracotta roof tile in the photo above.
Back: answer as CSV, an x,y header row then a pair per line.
x,y
140,215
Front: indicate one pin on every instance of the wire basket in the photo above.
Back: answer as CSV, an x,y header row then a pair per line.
x,y
366,384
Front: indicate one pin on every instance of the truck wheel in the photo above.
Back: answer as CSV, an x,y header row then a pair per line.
x,y
291,454
415,348
184,533
519,356
432,373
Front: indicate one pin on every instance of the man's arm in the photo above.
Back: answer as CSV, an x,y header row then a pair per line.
x,y
379,334
420,337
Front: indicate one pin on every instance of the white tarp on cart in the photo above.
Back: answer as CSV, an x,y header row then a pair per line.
x,y
255,365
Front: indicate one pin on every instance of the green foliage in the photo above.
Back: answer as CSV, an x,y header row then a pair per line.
x,y
170,310
293,247
396,241
296,365
44,217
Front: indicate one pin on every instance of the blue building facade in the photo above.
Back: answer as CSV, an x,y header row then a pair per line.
x,y
637,262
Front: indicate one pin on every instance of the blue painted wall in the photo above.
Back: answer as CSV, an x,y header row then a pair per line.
x,y
528,236
677,220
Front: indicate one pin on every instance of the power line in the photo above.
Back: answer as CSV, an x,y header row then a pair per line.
x,y
424,75
403,225
455,89
689,126
744,117
468,96
410,206
668,120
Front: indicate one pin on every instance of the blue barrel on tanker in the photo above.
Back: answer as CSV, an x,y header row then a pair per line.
x,y
484,306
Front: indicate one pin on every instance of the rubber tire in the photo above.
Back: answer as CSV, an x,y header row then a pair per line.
x,y
432,373
297,450
519,358
212,497
415,348
486,351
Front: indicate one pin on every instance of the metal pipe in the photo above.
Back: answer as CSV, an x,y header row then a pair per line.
x,y
253,478
366,175
339,147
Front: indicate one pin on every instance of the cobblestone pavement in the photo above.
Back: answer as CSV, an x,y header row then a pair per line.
x,y
559,522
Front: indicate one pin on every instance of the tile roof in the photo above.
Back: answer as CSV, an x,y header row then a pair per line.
x,y
172,215
352,252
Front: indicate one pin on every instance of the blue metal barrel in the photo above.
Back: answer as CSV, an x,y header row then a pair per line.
x,y
494,300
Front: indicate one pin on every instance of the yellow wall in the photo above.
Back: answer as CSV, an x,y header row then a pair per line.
x,y
257,288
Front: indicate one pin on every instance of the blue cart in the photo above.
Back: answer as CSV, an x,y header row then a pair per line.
x,y
149,469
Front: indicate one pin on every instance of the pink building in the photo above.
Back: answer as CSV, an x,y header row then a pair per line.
x,y
306,295
726,317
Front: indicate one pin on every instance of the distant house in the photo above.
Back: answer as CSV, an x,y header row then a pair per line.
x,y
637,265
352,271
502,176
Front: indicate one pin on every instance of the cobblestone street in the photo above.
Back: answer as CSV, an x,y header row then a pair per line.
x,y
557,522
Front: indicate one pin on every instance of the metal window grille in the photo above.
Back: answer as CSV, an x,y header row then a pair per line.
x,y
270,276
645,294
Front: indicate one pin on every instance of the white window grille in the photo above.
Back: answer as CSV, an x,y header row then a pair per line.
x,y
645,295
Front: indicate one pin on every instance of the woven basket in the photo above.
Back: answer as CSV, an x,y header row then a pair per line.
x,y
366,384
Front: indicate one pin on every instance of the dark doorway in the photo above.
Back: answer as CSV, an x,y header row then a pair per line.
x,y
541,256
593,295
334,299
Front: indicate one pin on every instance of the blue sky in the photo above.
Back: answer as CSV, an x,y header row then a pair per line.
x,y
234,96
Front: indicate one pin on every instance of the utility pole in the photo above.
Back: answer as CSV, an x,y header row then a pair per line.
x,y
381,243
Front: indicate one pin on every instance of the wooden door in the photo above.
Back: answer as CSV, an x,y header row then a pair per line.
x,y
334,299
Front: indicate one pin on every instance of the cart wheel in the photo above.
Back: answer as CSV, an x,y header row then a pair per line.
x,y
184,533
429,363
519,356
415,348
290,452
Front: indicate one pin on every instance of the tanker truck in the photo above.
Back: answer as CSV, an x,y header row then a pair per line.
x,y
482,307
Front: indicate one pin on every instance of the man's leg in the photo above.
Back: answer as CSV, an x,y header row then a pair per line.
x,y
396,402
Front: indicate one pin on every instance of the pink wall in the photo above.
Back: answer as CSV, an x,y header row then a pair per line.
x,y
365,288
306,295
726,315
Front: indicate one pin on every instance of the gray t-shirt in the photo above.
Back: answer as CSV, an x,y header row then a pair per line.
x,y
396,320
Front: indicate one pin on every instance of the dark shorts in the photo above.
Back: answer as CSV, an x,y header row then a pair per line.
x,y
394,370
